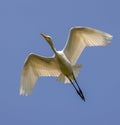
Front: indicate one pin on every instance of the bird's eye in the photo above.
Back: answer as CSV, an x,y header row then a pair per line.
x,y
48,38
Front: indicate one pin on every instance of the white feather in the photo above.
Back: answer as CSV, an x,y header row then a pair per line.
x,y
63,63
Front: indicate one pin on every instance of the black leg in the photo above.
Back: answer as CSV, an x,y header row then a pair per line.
x,y
79,92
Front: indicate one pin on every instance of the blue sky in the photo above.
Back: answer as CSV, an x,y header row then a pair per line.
x,y
21,22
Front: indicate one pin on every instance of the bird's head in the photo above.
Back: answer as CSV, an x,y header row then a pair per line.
x,y
48,39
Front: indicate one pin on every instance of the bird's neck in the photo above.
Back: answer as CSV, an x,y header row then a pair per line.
x,y
54,49
52,46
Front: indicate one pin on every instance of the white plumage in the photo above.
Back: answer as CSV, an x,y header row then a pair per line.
x,y
63,63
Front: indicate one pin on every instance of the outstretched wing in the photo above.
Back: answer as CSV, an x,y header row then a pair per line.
x,y
80,37
34,67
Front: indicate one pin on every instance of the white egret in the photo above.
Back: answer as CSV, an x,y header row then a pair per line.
x,y
63,63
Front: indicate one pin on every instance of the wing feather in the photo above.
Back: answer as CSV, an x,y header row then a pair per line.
x,y
34,67
80,37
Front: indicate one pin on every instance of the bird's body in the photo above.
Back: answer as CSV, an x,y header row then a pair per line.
x,y
63,63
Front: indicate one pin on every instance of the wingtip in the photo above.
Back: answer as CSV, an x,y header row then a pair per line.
x,y
107,38
22,92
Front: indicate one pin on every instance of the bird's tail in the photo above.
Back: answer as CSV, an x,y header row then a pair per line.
x,y
76,70
63,78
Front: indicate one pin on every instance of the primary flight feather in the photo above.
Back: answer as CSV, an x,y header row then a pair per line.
x,y
63,63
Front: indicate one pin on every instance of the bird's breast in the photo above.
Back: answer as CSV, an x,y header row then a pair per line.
x,y
64,64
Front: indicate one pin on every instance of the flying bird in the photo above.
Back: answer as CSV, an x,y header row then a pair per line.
x,y
63,63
